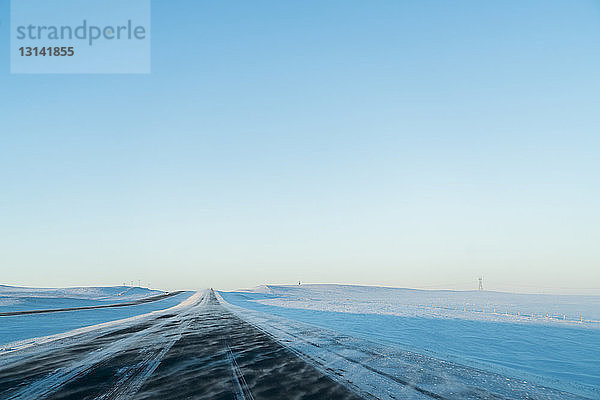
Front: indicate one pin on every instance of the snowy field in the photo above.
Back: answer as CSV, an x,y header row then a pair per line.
x,y
477,305
20,328
486,330
13,298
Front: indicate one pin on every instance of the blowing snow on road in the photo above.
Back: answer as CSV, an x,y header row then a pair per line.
x,y
198,349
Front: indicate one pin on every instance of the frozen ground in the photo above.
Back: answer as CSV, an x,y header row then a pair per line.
x,y
23,328
13,298
552,349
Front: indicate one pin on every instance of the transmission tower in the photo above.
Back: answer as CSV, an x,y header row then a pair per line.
x,y
481,283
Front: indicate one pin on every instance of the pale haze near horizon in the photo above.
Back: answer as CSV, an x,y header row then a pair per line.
x,y
401,144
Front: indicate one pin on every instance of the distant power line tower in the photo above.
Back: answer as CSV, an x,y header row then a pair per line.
x,y
480,283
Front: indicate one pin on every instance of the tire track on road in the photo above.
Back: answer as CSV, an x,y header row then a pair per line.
x,y
242,391
137,375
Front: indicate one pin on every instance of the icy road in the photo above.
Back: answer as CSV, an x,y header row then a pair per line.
x,y
205,348
199,350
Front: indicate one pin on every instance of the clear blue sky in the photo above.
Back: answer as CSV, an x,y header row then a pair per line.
x,y
399,143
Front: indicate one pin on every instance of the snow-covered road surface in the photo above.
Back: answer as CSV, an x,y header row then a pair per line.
x,y
198,349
